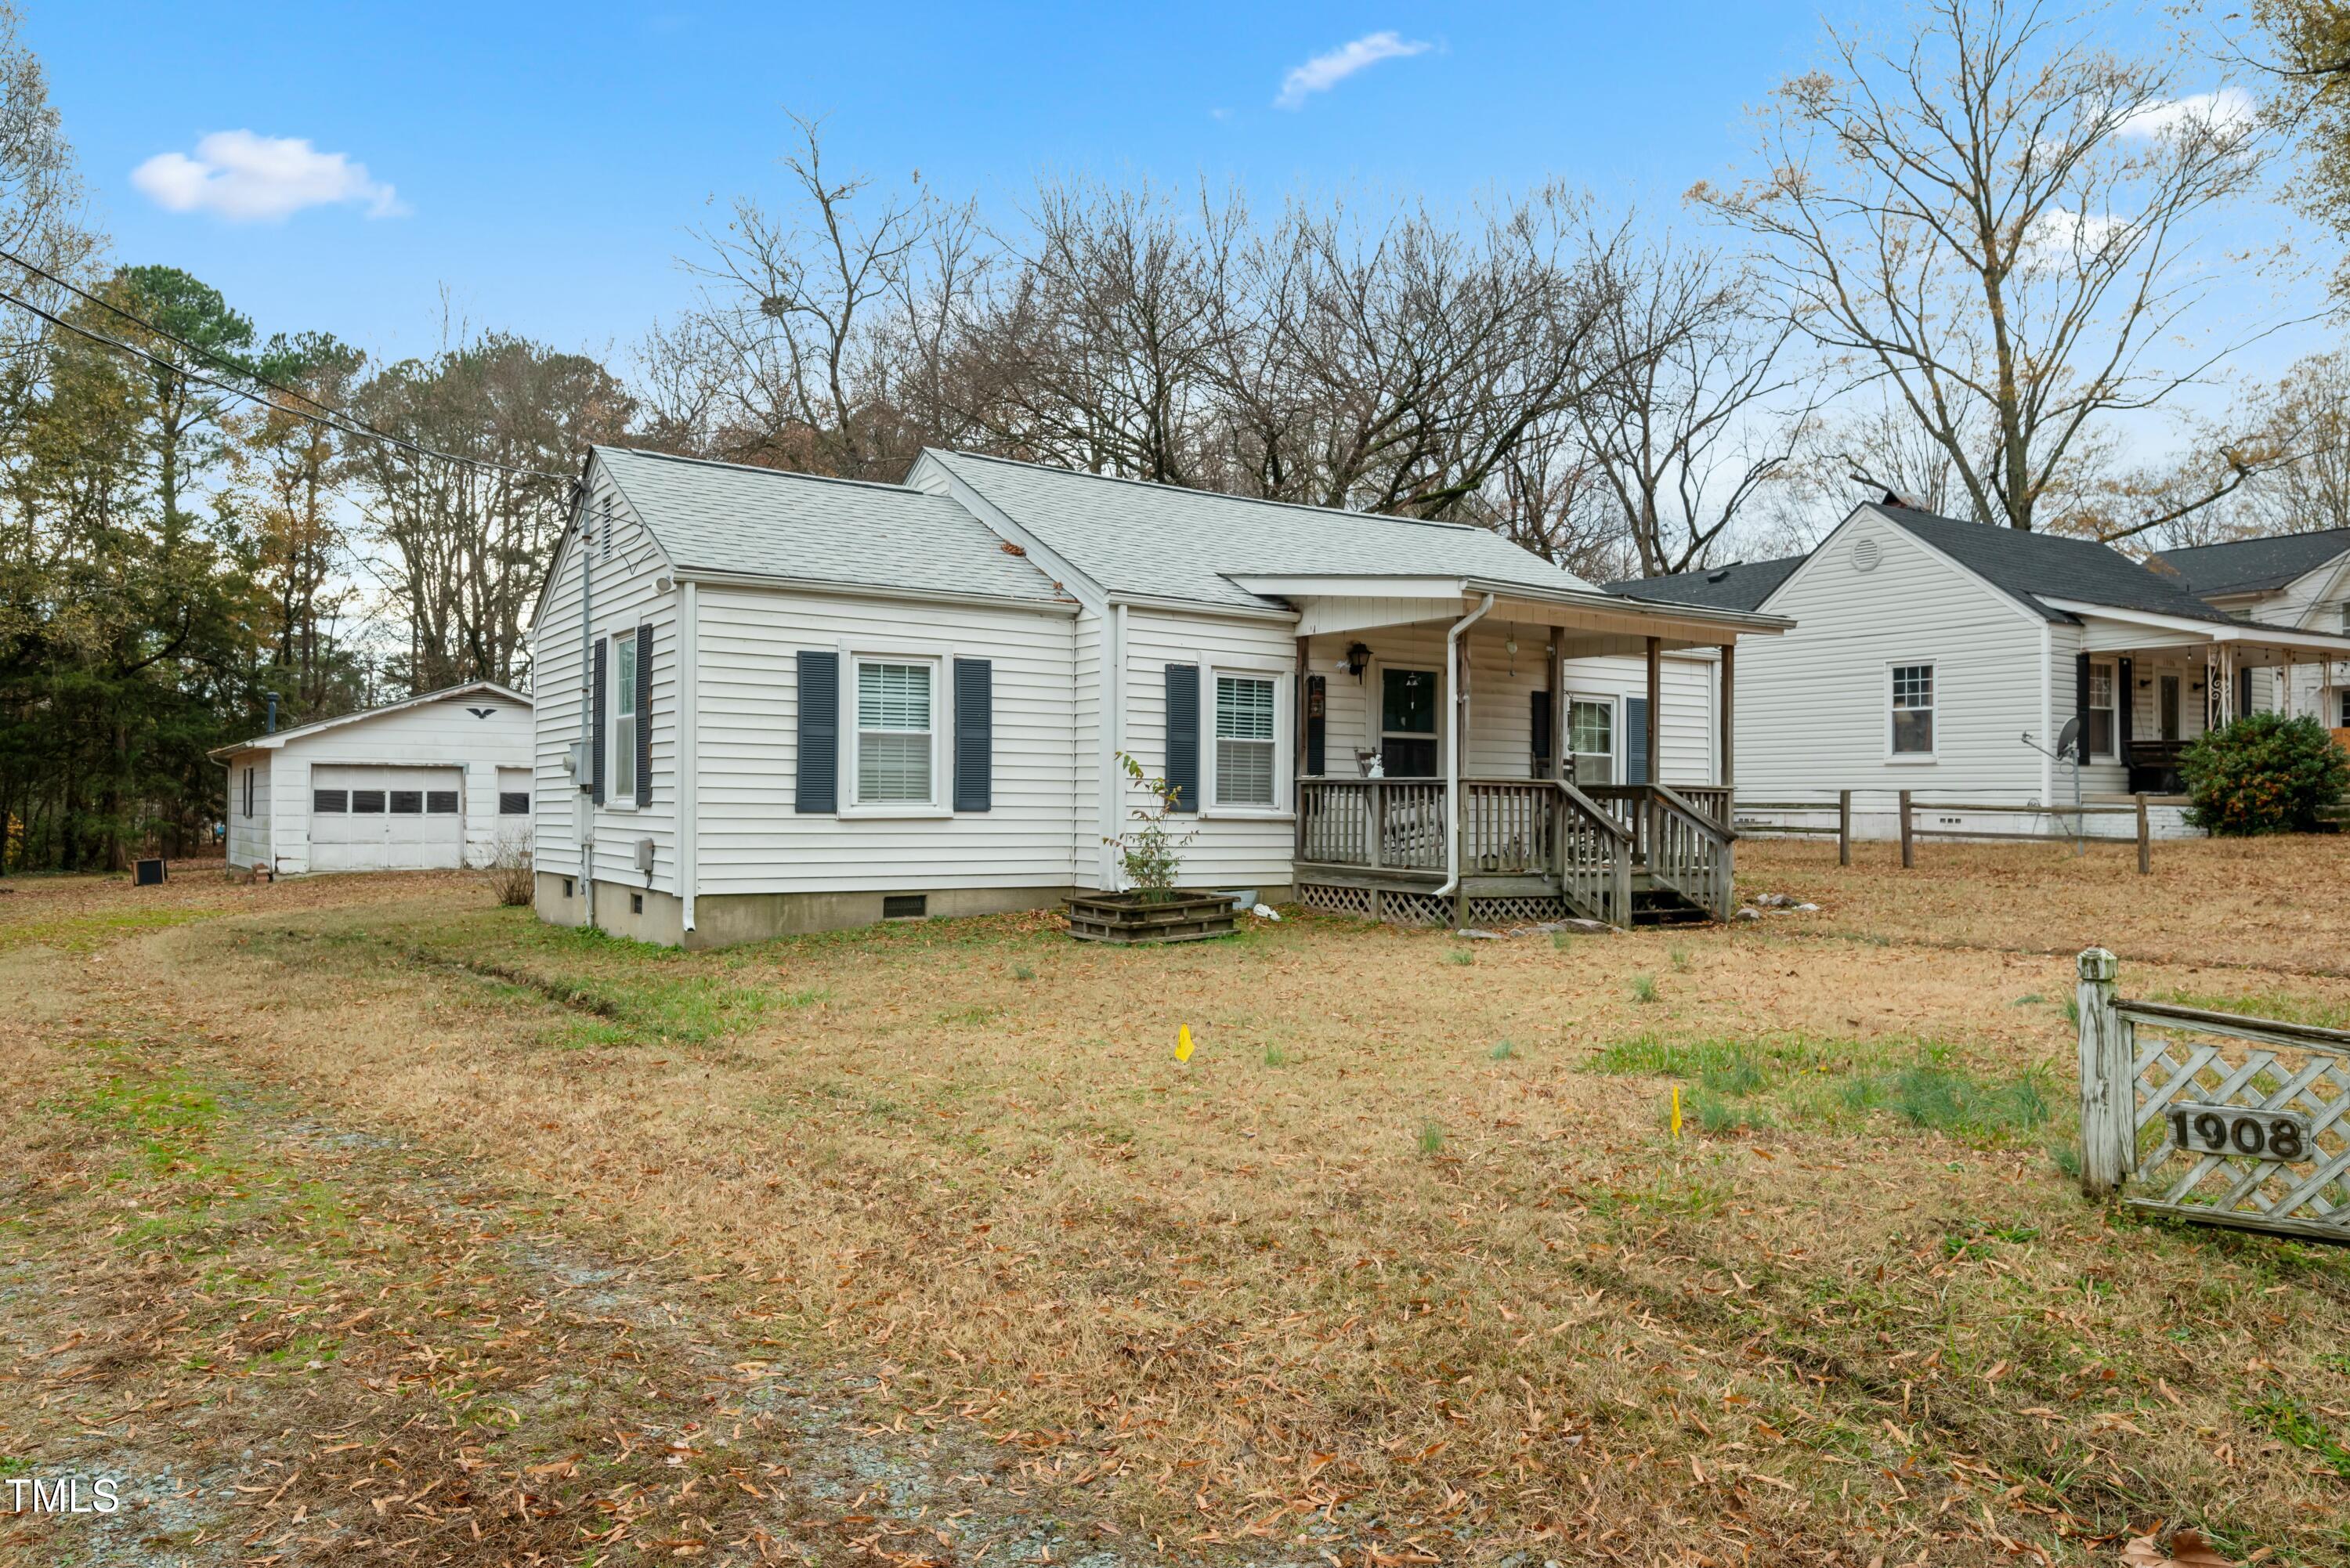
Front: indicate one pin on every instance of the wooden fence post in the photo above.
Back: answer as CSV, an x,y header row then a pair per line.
x,y
1908,849
1844,828
2145,843
2109,1087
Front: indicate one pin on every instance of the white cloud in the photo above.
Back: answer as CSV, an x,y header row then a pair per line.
x,y
1327,70
2229,112
247,178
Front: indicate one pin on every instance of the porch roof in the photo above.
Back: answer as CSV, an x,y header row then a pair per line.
x,y
2252,643
1339,601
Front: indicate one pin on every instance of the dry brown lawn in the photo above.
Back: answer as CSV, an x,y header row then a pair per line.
x,y
359,1219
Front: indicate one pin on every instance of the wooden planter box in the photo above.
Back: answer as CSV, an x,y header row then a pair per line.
x,y
1131,918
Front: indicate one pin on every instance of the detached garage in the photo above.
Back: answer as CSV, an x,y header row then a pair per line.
x,y
431,783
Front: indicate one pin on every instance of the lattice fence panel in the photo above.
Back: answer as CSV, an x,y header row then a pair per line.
x,y
1414,908
1332,900
2213,1116
2292,1163
1516,909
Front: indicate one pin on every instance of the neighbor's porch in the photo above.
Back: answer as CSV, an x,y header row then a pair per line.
x,y
1433,792
2145,692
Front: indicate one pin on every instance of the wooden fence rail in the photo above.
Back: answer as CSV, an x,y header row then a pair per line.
x,y
1908,807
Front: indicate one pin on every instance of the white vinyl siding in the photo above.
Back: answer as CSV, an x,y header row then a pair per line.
x,y
626,595
895,736
1239,849
749,838
1812,703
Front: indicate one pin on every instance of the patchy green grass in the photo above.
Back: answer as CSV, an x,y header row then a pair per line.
x,y
89,932
2285,1007
1741,1085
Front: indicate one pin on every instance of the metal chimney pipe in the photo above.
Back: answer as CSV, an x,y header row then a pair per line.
x,y
273,712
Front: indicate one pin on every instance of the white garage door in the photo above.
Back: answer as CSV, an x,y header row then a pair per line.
x,y
387,819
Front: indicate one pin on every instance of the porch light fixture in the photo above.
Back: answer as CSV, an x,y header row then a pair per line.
x,y
1358,658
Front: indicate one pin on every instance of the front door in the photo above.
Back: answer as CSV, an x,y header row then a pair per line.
x,y
1407,724
2168,690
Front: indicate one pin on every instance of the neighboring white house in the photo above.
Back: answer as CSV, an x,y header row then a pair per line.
x,y
768,702
1926,649
2292,579
432,783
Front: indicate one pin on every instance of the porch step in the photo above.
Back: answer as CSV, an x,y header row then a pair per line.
x,y
1657,905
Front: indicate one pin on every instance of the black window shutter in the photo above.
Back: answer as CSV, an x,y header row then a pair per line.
x,y
2081,705
818,790
1183,735
1636,740
2124,694
596,729
974,734
644,715
1542,732
1318,723
2244,692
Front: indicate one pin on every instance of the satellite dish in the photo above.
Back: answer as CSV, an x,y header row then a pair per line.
x,y
2068,739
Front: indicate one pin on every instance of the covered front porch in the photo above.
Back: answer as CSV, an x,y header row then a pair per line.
x,y
2149,685
1475,755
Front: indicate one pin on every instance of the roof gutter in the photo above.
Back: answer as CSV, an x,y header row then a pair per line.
x,y
718,579
1452,745
1600,600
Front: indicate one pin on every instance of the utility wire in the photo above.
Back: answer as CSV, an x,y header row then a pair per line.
x,y
328,416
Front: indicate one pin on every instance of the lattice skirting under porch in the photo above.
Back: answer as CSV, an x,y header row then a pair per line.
x,y
1519,909
1399,909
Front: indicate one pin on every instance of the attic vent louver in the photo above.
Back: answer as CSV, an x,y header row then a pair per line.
x,y
1865,555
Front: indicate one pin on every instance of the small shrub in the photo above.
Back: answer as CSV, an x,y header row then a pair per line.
x,y
509,874
1149,853
1644,988
2263,773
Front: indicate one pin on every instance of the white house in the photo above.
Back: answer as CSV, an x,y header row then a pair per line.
x,y
768,702
1946,657
435,782
2293,579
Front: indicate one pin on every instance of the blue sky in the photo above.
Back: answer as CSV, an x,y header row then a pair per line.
x,y
544,163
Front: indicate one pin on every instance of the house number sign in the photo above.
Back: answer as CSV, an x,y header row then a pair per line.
x,y
2234,1129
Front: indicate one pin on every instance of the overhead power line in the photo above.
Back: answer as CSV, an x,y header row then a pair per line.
x,y
327,415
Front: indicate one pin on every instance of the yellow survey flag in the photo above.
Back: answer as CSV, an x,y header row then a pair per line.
x,y
1677,1110
1183,1043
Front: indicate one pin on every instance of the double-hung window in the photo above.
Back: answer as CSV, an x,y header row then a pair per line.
x,y
1591,739
896,742
1913,711
2099,740
1245,742
625,718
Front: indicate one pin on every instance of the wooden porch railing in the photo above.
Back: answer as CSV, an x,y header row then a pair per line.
x,y
1509,828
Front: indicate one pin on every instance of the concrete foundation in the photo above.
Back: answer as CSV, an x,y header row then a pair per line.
x,y
724,920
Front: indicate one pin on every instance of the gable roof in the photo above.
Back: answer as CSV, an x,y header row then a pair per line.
x,y
2251,565
728,518
1740,585
278,738
1162,542
2031,566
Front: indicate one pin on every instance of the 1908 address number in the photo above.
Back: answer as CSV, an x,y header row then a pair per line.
x,y
2234,1129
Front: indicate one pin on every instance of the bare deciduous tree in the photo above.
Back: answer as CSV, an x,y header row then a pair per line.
x,y
2001,221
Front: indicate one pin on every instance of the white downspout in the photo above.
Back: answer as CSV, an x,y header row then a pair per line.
x,y
1112,741
689,747
2047,716
1452,746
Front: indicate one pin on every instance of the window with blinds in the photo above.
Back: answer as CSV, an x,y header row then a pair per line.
x,y
624,718
1244,741
894,733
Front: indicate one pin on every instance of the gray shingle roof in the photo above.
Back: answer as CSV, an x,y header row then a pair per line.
x,y
764,523
2028,566
1741,586
2250,566
1159,540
